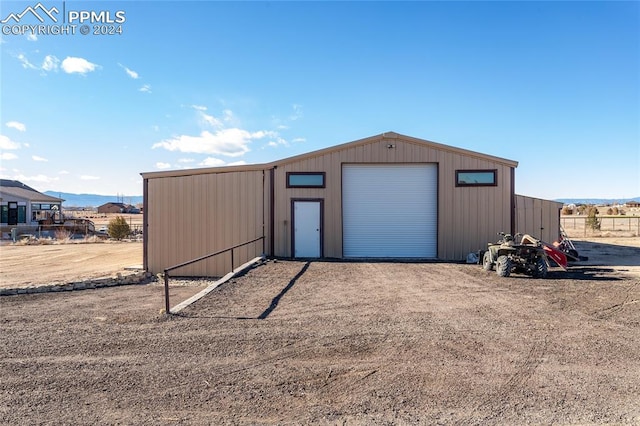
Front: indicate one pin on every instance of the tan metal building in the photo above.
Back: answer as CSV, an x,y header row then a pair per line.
x,y
386,196
537,217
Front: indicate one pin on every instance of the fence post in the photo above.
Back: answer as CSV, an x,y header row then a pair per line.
x,y
167,308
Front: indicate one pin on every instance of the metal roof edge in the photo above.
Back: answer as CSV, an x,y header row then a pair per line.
x,y
394,135
205,170
323,151
541,199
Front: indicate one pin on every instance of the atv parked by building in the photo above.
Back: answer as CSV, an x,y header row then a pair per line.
x,y
528,256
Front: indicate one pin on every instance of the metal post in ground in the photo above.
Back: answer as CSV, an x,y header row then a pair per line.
x,y
167,309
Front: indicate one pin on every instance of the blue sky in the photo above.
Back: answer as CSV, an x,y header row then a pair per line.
x,y
553,85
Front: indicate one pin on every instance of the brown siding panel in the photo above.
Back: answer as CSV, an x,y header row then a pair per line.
x,y
537,217
467,219
191,216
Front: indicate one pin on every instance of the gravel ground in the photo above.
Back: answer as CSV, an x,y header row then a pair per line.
x,y
331,343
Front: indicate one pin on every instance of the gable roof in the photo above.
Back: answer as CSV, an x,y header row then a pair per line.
x,y
111,203
324,151
395,136
13,188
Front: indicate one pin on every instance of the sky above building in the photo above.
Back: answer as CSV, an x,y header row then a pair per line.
x,y
94,93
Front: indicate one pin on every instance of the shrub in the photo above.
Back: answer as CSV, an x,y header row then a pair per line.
x,y
566,211
118,228
63,234
592,219
609,211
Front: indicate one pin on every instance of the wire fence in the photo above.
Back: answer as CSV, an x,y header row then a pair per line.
x,y
577,226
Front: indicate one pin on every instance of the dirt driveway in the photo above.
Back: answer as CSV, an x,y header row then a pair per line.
x,y
331,343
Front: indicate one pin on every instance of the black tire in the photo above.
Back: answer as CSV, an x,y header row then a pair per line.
x,y
541,269
503,266
487,265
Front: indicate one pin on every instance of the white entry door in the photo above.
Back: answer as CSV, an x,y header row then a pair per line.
x,y
306,228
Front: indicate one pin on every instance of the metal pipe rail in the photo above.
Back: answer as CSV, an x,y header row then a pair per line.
x,y
167,270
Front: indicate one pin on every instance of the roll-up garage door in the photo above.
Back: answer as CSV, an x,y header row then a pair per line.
x,y
390,210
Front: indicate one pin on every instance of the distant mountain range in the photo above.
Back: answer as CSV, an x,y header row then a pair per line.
x,y
597,201
93,200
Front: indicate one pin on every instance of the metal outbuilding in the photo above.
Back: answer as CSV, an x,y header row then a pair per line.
x,y
386,196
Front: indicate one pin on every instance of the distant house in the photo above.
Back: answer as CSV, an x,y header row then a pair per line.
x,y
21,205
632,203
117,208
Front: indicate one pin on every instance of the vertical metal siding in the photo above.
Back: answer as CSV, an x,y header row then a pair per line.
x,y
191,216
537,217
468,217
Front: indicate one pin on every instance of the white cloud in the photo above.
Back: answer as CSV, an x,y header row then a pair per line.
x,y
206,119
160,165
237,163
50,63
210,120
25,62
63,172
228,115
277,141
32,37
186,160
299,140
131,73
89,177
212,162
297,112
7,156
37,158
229,142
6,143
16,125
145,88
72,65
36,178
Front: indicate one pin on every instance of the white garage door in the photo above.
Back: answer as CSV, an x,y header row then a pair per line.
x,y
390,210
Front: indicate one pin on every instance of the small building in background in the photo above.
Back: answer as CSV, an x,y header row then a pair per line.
x,y
118,208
